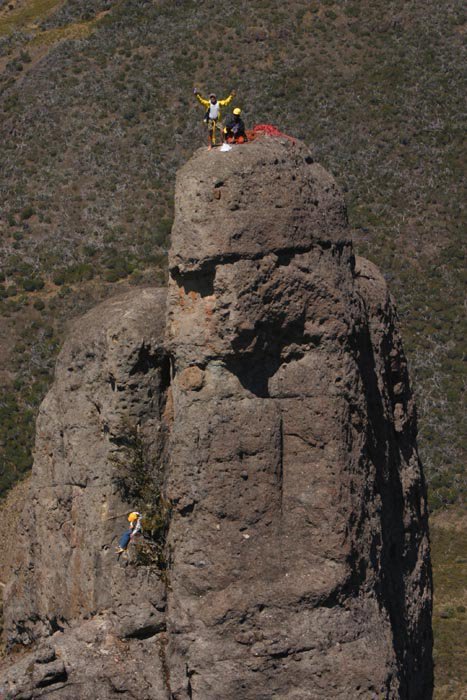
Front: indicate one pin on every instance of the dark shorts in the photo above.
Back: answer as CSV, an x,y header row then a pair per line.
x,y
124,540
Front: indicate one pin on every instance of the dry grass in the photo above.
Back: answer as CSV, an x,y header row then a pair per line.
x,y
449,556
72,31
25,15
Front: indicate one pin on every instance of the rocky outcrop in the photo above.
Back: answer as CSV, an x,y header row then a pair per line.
x,y
65,579
299,539
284,436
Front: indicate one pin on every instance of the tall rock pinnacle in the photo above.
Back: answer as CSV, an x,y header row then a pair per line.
x,y
300,544
286,446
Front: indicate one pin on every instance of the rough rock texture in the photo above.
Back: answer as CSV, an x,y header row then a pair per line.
x,y
298,538
301,566
252,202
88,661
111,373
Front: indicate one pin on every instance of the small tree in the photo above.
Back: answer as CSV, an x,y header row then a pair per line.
x,y
138,479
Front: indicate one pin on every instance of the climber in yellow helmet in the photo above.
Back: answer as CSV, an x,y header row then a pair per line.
x,y
234,131
135,527
213,114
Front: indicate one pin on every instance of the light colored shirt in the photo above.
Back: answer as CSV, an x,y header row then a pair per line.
x,y
218,105
214,110
136,527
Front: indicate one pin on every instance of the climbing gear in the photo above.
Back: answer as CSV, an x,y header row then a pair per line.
x,y
268,130
234,131
213,115
114,517
136,526
133,516
213,124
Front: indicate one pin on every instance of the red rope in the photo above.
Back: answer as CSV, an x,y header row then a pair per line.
x,y
270,130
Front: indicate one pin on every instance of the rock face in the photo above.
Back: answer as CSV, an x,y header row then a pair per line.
x,y
285,438
111,374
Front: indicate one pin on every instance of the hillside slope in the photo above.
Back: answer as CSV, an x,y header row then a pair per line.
x,y
97,113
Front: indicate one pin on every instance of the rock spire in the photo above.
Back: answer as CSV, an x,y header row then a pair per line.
x,y
272,393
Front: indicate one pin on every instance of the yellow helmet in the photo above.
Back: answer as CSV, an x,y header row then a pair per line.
x,y
133,516
237,111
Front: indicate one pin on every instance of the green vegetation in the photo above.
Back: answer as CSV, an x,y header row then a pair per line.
x,y
32,361
139,481
17,420
449,551
31,11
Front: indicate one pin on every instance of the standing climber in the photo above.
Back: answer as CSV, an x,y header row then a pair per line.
x,y
213,113
135,527
234,131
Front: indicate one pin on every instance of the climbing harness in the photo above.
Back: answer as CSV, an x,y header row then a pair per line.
x,y
213,124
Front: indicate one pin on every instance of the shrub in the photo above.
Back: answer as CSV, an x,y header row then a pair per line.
x,y
59,278
114,275
162,231
75,273
32,284
138,480
16,431
27,212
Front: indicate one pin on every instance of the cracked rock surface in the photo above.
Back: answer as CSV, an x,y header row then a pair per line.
x,y
298,538
65,582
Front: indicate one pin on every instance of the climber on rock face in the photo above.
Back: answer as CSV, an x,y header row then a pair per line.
x,y
135,527
213,113
234,131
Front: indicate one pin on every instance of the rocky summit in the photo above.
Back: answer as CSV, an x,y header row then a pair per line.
x,y
260,413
